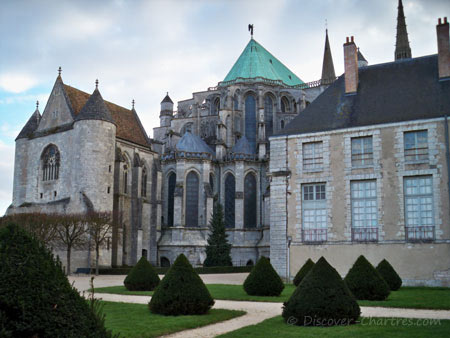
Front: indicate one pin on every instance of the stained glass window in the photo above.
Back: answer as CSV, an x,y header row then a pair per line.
x,y
230,193
250,120
192,199
268,115
250,201
170,201
50,163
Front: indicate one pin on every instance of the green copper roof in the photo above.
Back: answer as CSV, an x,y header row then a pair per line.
x,y
256,62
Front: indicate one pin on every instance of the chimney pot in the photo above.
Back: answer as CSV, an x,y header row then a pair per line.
x,y
439,21
347,40
445,19
353,39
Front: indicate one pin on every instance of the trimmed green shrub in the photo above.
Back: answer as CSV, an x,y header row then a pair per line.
x,y
322,299
142,277
389,275
36,299
218,249
365,282
263,280
303,271
181,292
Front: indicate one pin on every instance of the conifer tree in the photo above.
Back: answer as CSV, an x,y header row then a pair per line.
x,y
218,248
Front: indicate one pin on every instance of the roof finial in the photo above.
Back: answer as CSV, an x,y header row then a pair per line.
x,y
167,93
326,25
59,71
37,105
132,104
96,84
250,28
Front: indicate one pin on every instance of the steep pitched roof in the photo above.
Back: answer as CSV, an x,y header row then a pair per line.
x,y
398,91
242,147
30,126
402,49
327,66
95,109
256,62
128,125
193,143
167,99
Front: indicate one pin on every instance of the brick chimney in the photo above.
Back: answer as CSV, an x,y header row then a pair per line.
x,y
351,66
442,31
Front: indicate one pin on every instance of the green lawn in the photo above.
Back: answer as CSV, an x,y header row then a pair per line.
x,y
406,297
136,320
379,327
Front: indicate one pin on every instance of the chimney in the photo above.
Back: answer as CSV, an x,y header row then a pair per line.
x,y
442,31
351,67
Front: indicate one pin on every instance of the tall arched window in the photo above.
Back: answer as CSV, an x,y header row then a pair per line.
x,y
235,102
172,181
237,123
125,178
250,120
192,199
284,105
268,115
215,107
50,163
144,183
250,201
230,194
229,125
211,182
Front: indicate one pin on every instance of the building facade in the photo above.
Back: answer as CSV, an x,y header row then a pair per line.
x,y
365,170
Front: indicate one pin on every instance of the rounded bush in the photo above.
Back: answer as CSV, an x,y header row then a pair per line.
x,y
365,282
389,275
142,277
181,292
263,280
321,299
36,299
303,271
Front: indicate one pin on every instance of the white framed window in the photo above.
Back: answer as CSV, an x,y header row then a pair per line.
x,y
362,151
419,221
313,156
314,213
364,210
416,145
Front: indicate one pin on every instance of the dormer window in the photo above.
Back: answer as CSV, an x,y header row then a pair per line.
x,y
50,163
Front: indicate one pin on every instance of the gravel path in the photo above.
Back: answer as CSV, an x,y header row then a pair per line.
x,y
256,311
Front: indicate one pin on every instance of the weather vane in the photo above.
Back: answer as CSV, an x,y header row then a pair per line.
x,y
250,28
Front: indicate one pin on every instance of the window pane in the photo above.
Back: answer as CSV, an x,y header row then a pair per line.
x,y
171,187
230,193
192,199
250,201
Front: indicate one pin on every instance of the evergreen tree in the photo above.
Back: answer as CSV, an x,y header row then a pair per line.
x,y
218,248
142,277
263,280
389,275
303,271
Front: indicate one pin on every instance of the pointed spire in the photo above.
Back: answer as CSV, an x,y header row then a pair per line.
x,y
95,108
402,49
328,74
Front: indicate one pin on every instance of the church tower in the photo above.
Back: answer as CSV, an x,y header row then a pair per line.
x,y
328,74
402,49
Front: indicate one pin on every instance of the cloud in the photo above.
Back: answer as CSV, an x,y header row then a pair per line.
x,y
42,98
17,83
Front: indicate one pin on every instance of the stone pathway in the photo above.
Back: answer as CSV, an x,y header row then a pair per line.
x,y
256,311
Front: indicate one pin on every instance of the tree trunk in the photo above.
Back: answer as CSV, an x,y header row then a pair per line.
x,y
96,259
69,249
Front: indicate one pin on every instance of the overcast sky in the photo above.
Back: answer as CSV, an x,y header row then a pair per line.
x,y
141,49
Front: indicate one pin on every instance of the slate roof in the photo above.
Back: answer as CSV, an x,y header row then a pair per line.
x,y
360,56
193,143
31,125
404,90
95,109
128,125
167,99
242,147
255,61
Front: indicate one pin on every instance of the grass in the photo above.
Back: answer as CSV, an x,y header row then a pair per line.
x,y
375,327
406,297
136,320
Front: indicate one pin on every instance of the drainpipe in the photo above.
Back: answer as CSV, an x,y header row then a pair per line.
x,y
447,155
288,238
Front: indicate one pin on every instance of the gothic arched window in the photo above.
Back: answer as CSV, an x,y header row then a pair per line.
x,y
284,105
268,115
250,120
144,183
211,182
250,201
50,163
125,178
228,124
237,123
230,193
235,102
171,183
215,106
192,183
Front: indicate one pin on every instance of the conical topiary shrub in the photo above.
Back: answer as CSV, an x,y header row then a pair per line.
x,y
142,277
181,292
263,280
389,275
322,299
36,299
365,282
303,271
